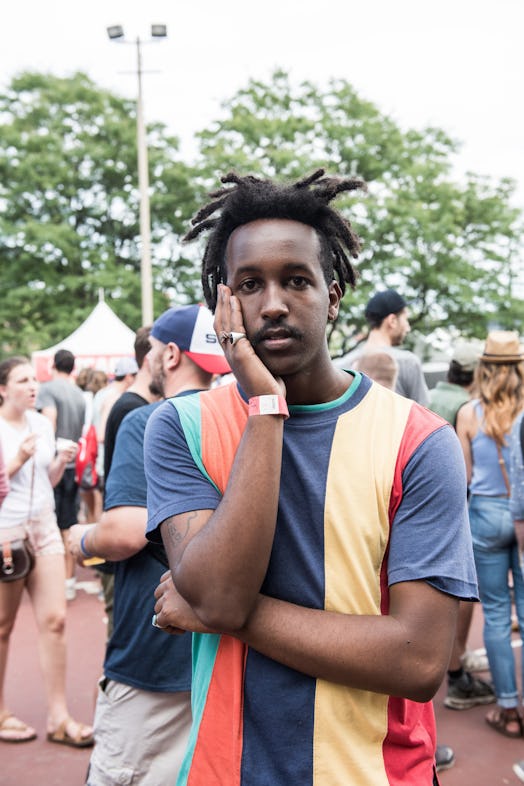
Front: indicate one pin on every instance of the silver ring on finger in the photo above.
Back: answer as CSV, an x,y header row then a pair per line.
x,y
235,337
154,622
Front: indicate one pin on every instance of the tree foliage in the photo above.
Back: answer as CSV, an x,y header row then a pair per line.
x,y
451,248
69,207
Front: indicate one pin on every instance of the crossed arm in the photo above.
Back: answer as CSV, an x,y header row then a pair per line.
x,y
404,653
219,558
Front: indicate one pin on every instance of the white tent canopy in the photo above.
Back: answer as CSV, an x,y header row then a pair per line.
x,y
98,343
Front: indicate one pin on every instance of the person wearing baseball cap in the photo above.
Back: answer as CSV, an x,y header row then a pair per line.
x,y
446,398
148,731
387,317
187,332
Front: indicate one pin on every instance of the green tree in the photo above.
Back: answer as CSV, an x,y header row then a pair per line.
x,y
451,247
69,209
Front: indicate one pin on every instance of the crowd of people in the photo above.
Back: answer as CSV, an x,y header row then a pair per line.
x,y
285,589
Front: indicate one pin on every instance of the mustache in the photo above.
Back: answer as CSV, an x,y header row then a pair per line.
x,y
271,327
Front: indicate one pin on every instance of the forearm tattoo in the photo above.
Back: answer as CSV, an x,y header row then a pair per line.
x,y
179,532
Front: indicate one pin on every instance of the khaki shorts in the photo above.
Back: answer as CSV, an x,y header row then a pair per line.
x,y
42,532
140,736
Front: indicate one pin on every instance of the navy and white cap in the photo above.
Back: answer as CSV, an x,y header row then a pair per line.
x,y
191,329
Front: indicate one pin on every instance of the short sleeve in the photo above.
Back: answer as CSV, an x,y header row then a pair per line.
x,y
126,483
175,484
430,533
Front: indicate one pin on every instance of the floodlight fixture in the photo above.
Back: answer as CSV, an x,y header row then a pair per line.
x,y
115,31
159,31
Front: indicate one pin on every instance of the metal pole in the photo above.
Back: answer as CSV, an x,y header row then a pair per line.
x,y
143,187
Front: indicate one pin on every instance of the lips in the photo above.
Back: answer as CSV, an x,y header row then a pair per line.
x,y
275,335
276,339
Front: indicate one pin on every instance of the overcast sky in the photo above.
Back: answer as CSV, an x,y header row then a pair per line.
x,y
457,64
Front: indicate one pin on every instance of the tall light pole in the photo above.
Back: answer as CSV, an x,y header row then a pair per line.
x,y
116,33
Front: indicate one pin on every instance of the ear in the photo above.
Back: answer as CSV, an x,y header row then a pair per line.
x,y
335,296
390,321
172,356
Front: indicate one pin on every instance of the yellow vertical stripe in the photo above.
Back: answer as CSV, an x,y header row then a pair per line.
x,y
350,725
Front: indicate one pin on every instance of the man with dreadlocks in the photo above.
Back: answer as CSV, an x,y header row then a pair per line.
x,y
315,552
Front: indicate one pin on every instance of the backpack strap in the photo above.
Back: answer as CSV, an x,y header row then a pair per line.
x,y
522,437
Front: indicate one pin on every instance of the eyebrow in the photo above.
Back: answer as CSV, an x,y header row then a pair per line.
x,y
287,267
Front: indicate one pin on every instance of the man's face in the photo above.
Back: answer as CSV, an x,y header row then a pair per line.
x,y
155,357
400,328
274,270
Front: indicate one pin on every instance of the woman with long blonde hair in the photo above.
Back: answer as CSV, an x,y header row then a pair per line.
x,y
483,427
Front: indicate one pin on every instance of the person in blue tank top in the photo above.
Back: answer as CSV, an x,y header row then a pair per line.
x,y
483,427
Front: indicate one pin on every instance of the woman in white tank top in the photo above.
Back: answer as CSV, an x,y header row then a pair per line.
x,y
33,467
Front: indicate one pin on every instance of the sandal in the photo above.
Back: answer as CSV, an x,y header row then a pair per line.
x,y
78,740
12,729
506,721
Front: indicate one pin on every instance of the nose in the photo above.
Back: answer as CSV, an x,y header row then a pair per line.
x,y
274,305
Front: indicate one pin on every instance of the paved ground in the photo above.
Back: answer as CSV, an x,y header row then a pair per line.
x,y
483,758
41,762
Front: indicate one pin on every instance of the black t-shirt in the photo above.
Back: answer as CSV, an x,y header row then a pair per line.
x,y
124,404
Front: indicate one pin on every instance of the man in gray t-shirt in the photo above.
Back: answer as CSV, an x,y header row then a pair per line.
x,y
63,403
387,317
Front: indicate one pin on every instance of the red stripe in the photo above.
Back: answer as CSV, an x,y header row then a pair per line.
x,y
223,418
421,423
410,744
411,725
217,757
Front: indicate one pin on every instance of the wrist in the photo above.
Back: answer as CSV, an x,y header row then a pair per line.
x,y
84,548
271,404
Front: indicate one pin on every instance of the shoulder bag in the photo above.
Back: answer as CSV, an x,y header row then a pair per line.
x,y
17,557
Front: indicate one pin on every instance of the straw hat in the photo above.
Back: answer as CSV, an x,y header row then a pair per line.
x,y
502,346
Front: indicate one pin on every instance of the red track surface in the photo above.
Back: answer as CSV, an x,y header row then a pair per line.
x,y
483,757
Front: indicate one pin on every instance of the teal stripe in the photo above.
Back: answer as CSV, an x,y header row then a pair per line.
x,y
205,647
188,408
329,404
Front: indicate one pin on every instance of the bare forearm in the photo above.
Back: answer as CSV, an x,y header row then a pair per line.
x,y
99,543
220,569
383,654
118,535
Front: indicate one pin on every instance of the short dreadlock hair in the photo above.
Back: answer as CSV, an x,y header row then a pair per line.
x,y
306,201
